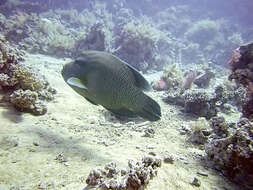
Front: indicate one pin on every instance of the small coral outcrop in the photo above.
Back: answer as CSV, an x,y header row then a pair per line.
x,y
200,102
135,178
26,90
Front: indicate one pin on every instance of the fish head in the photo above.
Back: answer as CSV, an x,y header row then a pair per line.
x,y
74,74
71,69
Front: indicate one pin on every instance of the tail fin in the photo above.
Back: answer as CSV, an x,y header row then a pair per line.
x,y
150,109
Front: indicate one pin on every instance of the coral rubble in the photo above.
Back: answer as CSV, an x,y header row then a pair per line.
x,y
135,178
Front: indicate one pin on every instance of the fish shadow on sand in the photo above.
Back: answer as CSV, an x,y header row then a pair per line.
x,y
55,143
88,187
8,111
11,114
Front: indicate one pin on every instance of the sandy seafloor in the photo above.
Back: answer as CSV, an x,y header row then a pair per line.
x,y
84,136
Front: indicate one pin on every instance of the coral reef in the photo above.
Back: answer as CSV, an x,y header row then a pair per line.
x,y
24,89
233,154
191,89
95,39
220,128
19,26
203,32
137,44
200,102
135,178
27,100
175,78
241,65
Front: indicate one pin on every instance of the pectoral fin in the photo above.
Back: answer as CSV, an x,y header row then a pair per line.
x,y
76,82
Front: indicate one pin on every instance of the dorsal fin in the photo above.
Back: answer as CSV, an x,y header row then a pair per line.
x,y
140,81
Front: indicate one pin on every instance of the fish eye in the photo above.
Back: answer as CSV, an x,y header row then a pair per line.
x,y
78,62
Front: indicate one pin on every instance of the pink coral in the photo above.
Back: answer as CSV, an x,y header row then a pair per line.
x,y
162,85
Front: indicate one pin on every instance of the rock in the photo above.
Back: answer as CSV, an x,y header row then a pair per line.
x,y
35,143
61,158
42,186
202,173
152,153
149,132
196,182
169,159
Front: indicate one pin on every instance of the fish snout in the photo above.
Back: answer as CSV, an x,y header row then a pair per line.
x,y
69,70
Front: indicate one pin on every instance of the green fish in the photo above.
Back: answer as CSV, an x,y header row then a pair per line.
x,y
103,79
